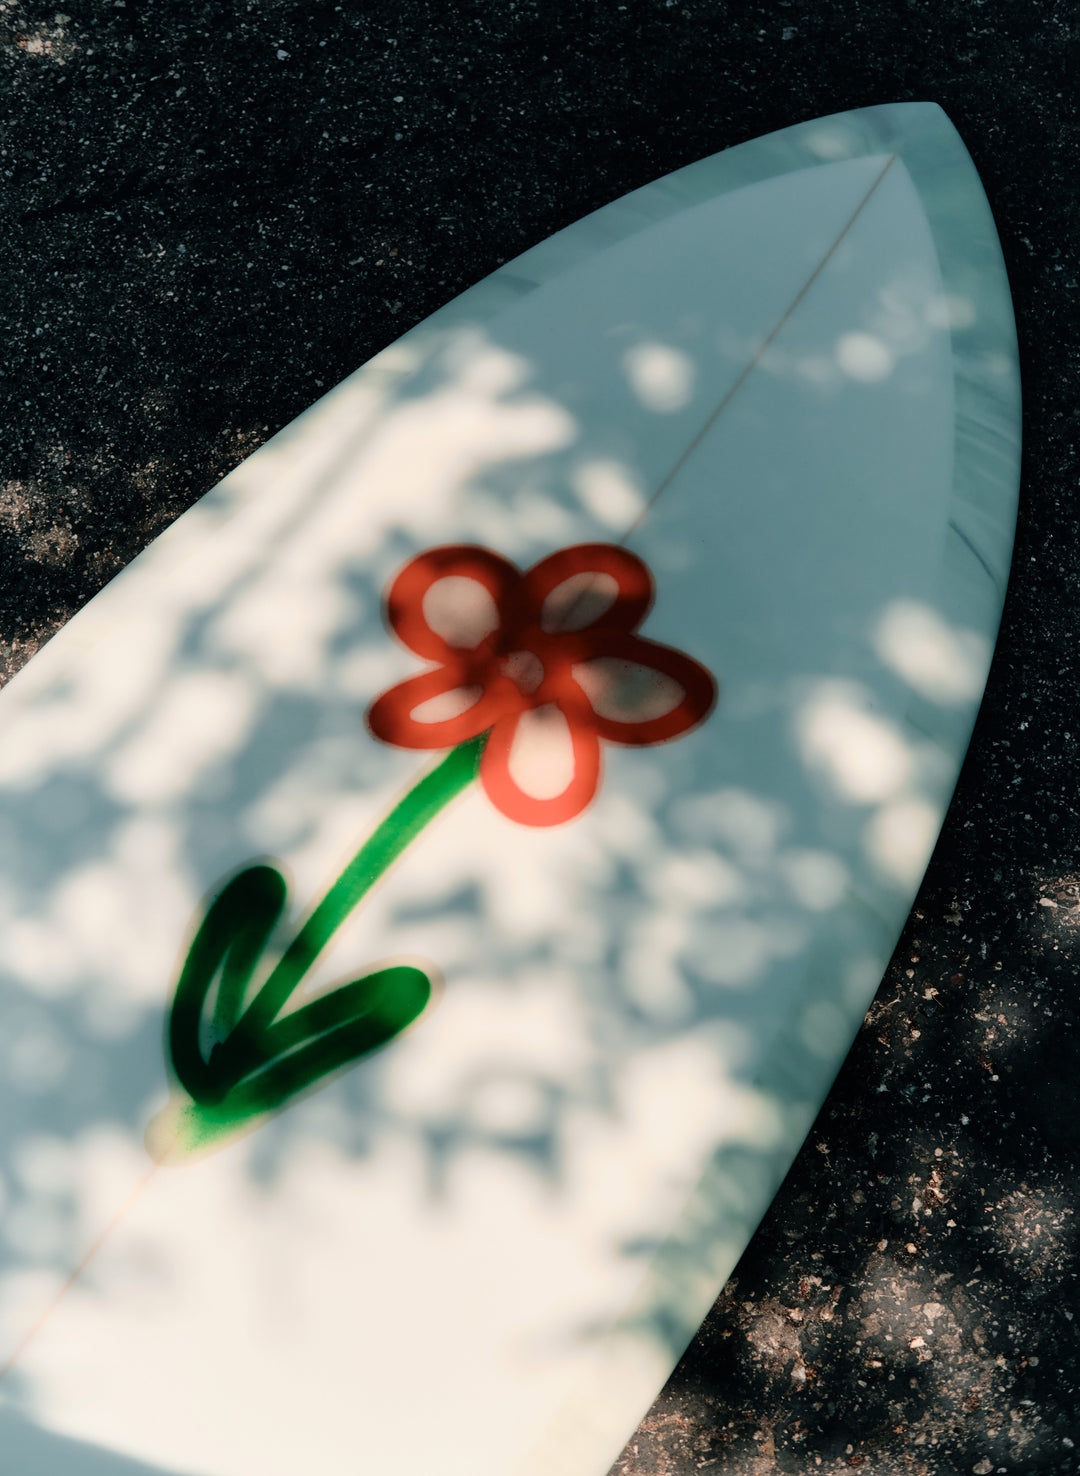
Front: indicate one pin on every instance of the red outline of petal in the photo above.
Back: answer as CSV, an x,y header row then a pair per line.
x,y
512,801
631,574
390,717
405,597
699,692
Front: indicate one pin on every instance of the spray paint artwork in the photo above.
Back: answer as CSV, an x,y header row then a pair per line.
x,y
531,671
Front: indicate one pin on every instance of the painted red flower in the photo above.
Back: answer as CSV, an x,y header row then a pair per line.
x,y
547,662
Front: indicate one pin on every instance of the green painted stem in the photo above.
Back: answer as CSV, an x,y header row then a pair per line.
x,y
403,824
260,1058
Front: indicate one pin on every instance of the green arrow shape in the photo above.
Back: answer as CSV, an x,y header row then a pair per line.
x,y
238,1059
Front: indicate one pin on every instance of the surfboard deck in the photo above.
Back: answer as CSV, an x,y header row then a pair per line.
x,y
783,383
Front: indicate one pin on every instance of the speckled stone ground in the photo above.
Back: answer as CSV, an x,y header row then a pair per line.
x,y
212,212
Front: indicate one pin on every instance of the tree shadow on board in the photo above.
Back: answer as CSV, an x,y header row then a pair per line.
x,y
32,1451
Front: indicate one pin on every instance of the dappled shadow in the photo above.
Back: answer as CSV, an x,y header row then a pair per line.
x,y
30,1449
916,1271
642,1008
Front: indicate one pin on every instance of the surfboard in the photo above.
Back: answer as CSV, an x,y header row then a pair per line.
x,y
441,877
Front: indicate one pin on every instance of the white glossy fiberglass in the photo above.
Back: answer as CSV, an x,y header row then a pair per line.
x,y
482,1250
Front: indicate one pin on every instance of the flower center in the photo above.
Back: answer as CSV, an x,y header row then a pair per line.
x,y
525,670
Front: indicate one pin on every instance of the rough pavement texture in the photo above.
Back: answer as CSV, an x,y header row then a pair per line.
x,y
213,211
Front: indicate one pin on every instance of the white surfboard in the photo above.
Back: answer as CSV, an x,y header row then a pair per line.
x,y
641,929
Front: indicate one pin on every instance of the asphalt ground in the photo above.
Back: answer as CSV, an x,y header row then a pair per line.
x,y
213,212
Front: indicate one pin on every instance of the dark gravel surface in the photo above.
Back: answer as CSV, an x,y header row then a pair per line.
x,y
212,212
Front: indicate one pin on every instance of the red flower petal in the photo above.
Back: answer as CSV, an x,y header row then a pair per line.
x,y
390,716
698,686
507,795
405,600
627,610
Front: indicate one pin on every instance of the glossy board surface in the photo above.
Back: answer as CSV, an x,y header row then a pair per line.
x,y
784,380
